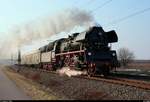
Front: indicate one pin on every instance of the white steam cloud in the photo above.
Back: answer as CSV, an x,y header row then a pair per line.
x,y
70,72
44,28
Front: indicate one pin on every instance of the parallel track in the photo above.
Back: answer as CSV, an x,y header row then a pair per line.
x,y
122,81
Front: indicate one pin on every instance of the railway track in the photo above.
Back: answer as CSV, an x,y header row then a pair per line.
x,y
114,80
122,81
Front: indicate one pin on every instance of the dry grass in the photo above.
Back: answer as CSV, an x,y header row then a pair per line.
x,y
31,88
140,66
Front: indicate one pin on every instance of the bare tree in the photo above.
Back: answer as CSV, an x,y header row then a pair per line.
x,y
125,56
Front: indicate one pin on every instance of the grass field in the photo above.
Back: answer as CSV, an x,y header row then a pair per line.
x,y
136,68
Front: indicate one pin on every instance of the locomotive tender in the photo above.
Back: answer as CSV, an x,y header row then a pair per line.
x,y
88,50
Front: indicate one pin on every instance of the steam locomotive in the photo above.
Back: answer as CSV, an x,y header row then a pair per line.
x,y
88,50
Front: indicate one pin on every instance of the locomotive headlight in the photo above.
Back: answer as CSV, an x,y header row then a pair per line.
x,y
113,54
89,53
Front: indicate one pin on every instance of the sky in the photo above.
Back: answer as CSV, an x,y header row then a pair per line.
x,y
133,32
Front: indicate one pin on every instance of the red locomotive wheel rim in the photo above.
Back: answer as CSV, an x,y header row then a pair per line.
x,y
67,62
91,70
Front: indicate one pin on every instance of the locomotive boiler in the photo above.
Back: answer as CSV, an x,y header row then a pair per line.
x,y
88,50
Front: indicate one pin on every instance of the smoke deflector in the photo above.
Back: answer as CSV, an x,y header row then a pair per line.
x,y
112,36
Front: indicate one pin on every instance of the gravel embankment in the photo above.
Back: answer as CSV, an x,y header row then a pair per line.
x,y
36,91
84,89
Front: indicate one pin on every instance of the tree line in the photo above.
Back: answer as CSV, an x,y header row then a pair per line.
x,y
125,56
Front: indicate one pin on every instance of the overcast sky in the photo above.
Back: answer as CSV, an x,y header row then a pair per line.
x,y
133,33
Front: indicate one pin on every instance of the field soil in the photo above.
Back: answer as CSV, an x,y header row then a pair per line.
x,y
141,66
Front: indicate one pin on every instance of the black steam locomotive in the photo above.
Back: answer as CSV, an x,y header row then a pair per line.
x,y
88,50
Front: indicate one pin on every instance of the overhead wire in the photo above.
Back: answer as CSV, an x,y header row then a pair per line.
x,y
123,18
92,11
89,2
92,1
105,3
129,16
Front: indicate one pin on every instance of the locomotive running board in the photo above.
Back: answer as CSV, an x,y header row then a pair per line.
x,y
73,52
